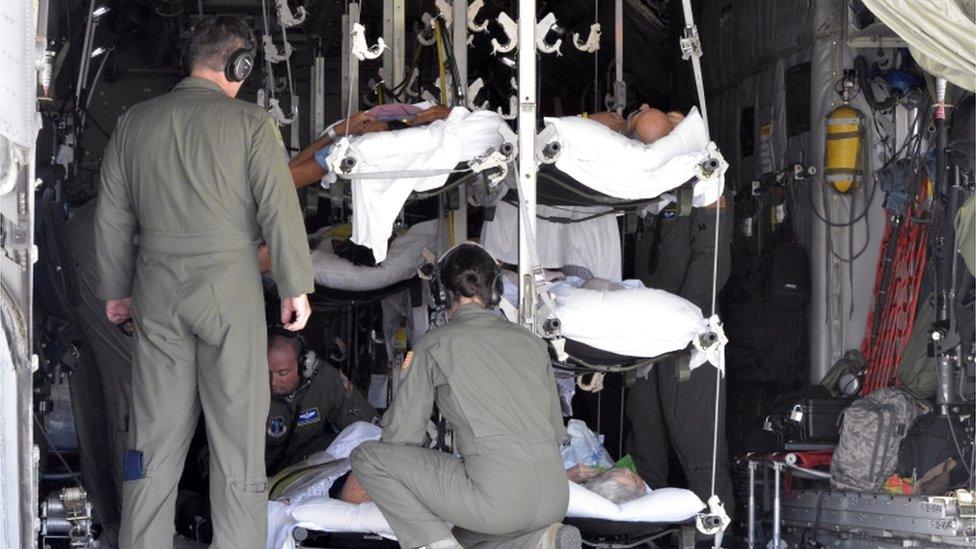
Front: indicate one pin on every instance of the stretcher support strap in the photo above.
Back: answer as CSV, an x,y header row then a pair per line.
x,y
691,49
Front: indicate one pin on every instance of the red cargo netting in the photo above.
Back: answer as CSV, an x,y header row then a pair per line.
x,y
884,344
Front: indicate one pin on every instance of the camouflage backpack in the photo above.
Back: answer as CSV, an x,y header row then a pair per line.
x,y
871,431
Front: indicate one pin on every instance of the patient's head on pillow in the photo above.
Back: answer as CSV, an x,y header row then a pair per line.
x,y
647,124
617,485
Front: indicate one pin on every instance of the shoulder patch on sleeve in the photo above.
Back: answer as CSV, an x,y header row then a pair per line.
x,y
276,426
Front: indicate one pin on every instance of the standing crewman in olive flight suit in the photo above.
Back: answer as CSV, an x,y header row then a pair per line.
x,y
191,181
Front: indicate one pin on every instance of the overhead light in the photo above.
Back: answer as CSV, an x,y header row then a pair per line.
x,y
100,11
98,51
508,62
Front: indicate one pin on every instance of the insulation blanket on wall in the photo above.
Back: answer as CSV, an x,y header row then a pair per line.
x,y
402,260
593,243
462,136
625,168
634,321
939,34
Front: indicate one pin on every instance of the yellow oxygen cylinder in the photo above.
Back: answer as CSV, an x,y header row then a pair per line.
x,y
843,152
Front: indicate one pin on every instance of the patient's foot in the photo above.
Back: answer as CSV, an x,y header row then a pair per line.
x,y
561,536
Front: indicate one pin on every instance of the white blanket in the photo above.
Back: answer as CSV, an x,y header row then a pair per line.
x,y
618,166
594,243
460,137
635,321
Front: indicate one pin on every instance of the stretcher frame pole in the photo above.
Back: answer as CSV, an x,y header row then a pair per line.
x,y
526,160
751,540
394,23
777,507
460,42
349,90
316,114
619,86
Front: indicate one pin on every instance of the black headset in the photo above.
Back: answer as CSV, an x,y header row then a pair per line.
x,y
306,357
496,283
241,62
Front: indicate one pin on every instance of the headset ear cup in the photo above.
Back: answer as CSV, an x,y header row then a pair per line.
x,y
497,289
309,361
239,65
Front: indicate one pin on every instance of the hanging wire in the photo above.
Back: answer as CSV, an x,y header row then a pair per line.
x,y
596,62
352,60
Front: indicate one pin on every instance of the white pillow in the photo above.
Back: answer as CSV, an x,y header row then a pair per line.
x,y
637,321
351,437
332,515
661,505
618,166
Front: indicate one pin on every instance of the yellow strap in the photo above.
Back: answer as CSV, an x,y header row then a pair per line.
x,y
451,237
441,56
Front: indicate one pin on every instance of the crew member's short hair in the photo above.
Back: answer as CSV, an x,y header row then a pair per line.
x,y
214,40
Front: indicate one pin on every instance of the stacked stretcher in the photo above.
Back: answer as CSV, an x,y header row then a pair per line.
x,y
590,174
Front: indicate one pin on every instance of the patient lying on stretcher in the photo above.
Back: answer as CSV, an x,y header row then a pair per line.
x,y
617,484
308,166
646,124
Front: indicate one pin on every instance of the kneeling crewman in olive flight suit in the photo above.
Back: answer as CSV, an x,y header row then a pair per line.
x,y
310,402
191,181
492,380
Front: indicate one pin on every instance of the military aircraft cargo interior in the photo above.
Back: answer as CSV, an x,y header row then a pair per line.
x,y
487,274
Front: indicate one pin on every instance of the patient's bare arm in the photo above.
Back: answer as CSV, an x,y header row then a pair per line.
x,y
581,473
611,120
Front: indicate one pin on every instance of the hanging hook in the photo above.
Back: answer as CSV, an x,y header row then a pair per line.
x,y
512,109
447,12
428,20
473,10
285,15
271,53
592,43
510,27
473,90
274,109
429,97
359,47
410,89
542,28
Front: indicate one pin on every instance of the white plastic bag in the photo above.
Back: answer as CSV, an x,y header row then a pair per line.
x,y
583,447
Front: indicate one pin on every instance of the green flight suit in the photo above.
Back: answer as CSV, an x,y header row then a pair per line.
x,y
307,420
492,381
191,181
